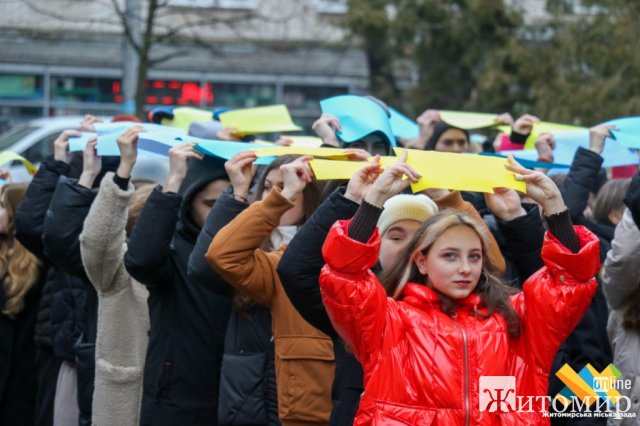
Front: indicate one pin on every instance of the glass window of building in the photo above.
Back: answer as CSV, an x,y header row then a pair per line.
x,y
241,95
68,89
21,87
309,97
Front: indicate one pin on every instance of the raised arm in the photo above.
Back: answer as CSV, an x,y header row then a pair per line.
x,y
554,299
32,211
226,208
103,238
299,268
235,251
68,209
148,258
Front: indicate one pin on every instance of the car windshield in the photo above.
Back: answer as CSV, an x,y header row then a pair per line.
x,y
14,134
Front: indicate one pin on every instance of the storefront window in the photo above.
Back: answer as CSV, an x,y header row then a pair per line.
x,y
309,97
22,87
82,89
233,95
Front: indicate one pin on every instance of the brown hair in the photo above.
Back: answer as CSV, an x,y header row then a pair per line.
x,y
493,292
610,198
631,313
136,203
20,267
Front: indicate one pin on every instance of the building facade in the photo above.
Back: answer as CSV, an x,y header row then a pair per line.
x,y
64,57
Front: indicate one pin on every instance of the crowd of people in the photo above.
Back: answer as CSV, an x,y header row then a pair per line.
x,y
199,291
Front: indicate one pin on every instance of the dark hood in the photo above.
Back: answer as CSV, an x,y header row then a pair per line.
x,y
109,164
438,130
200,173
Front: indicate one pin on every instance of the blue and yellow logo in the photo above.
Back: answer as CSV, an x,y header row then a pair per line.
x,y
589,385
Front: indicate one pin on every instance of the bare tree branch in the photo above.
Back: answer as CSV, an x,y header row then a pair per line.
x,y
131,38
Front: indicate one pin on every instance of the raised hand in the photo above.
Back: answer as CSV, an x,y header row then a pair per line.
x,y
228,134
597,136
61,145
240,170
505,204
283,142
505,118
5,175
87,124
524,124
326,127
128,145
296,175
390,182
179,156
545,144
426,122
360,182
540,188
357,154
91,164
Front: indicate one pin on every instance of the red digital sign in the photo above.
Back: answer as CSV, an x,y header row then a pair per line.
x,y
161,92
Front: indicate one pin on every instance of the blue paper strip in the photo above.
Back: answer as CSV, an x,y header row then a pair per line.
x,y
79,143
359,117
524,157
226,149
402,126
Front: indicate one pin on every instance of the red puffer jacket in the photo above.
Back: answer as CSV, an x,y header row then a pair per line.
x,y
422,366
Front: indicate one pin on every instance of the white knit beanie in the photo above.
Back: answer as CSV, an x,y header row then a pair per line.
x,y
417,207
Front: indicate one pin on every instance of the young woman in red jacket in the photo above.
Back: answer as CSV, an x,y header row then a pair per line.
x,y
442,319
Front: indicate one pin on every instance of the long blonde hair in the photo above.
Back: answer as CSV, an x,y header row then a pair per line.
x,y
493,292
19,267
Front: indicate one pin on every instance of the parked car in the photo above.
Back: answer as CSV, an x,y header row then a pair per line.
x,y
34,141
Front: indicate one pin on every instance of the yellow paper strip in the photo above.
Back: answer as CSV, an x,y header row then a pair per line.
x,y
295,150
463,172
250,121
468,120
6,156
183,117
543,127
333,169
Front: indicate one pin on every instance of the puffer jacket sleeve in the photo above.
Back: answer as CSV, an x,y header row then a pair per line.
x,y
63,224
225,209
299,268
354,299
29,220
148,257
554,299
620,278
455,201
581,180
102,242
523,237
235,251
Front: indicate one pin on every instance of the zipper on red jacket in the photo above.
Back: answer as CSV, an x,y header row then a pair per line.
x,y
467,402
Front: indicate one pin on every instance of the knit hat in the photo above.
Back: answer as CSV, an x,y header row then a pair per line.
x,y
150,169
417,207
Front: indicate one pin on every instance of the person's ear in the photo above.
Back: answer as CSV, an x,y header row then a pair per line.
x,y
420,260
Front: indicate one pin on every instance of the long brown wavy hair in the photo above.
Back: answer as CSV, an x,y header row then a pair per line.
x,y
493,292
19,267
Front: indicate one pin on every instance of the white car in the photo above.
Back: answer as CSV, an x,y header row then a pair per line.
x,y
34,141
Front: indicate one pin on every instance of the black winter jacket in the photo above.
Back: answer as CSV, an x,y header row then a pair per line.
x,y
65,217
188,322
586,175
29,227
248,393
299,270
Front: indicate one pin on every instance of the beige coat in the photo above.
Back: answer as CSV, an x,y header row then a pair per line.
x,y
620,281
304,355
123,315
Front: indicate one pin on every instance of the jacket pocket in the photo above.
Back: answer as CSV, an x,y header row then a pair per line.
x,y
304,373
116,386
392,414
242,389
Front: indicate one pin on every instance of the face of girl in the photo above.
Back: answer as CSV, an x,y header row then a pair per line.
x,y
294,215
453,264
452,140
394,239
